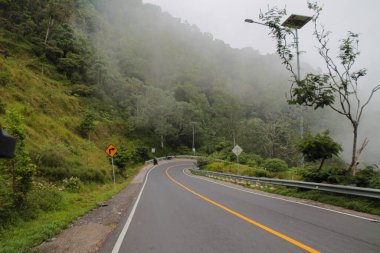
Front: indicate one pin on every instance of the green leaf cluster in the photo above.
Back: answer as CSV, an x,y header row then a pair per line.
x,y
319,147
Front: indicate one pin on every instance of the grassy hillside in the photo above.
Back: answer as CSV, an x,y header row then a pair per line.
x,y
52,113
52,109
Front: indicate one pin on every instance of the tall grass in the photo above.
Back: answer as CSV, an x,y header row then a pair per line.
x,y
24,235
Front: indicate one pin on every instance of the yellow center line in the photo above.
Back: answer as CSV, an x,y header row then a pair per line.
x,y
274,232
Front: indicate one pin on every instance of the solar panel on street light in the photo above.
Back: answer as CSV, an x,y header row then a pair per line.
x,y
296,21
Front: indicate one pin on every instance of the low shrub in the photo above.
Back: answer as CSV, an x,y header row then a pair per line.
x,y
331,175
4,78
55,174
367,177
121,160
45,197
250,159
53,155
82,90
285,175
252,163
202,162
92,175
182,150
87,125
275,164
375,182
141,154
217,167
72,184
257,172
84,174
2,108
6,203
51,158
313,174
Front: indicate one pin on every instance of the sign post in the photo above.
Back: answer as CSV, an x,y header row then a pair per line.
x,y
111,151
237,150
113,170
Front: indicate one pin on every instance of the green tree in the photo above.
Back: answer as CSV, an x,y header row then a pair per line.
x,y
20,168
87,125
338,88
121,160
56,12
319,147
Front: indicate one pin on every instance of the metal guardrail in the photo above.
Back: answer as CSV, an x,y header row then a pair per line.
x,y
349,190
180,156
171,157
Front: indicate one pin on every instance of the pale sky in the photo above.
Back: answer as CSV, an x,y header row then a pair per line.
x,y
224,19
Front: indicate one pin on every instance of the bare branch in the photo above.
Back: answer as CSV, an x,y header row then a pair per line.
x,y
374,90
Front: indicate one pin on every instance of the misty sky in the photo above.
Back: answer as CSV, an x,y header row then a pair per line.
x,y
224,19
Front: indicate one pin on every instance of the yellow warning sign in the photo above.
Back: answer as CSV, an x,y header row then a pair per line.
x,y
111,150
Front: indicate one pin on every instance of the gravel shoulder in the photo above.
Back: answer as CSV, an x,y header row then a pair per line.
x,y
88,233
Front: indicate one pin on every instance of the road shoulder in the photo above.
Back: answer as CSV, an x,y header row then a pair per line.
x,y
88,233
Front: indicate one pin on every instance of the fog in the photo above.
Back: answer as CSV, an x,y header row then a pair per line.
x,y
224,20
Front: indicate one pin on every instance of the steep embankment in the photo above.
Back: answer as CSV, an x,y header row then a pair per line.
x,y
51,109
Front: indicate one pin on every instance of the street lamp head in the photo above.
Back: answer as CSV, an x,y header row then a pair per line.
x,y
296,21
251,21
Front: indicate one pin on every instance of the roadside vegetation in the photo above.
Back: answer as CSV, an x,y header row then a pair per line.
x,y
334,172
365,205
52,207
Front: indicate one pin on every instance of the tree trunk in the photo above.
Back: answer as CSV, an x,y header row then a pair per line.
x,y
321,165
357,156
353,165
48,31
45,41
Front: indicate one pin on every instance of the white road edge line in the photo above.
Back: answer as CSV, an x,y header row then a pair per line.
x,y
291,201
120,239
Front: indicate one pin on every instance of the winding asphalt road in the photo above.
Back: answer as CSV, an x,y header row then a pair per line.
x,y
179,213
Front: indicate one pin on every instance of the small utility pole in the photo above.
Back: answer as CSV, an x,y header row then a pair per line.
x,y
193,125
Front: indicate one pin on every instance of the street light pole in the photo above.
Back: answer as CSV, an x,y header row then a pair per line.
x,y
298,56
194,139
296,22
298,79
